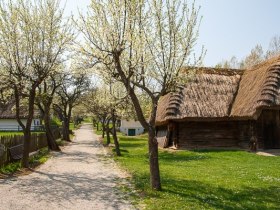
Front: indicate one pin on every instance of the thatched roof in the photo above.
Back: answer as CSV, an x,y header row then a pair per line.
x,y
8,111
259,88
209,94
214,94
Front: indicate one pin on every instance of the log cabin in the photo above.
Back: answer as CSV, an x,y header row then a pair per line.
x,y
223,108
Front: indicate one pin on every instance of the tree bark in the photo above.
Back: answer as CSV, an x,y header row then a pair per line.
x,y
107,128
26,148
116,142
103,128
26,128
153,158
66,127
108,136
149,126
66,130
52,145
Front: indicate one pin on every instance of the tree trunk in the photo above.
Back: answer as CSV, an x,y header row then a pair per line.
x,y
26,128
66,130
52,145
103,128
108,136
150,126
26,148
116,142
107,128
154,164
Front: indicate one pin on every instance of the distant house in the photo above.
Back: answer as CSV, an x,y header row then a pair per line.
x,y
223,108
8,120
131,127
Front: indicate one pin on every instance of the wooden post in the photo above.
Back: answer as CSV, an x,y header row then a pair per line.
x,y
254,137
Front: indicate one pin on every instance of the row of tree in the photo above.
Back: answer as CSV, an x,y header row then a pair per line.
x,y
35,41
256,56
107,104
138,48
142,45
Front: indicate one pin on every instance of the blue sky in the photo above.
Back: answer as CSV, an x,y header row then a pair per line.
x,y
234,27
229,27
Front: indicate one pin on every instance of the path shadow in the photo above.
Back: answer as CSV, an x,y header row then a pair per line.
x,y
217,197
77,186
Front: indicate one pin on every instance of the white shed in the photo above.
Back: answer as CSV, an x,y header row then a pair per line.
x,y
12,124
8,120
131,127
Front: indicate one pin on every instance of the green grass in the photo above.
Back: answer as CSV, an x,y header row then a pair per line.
x,y
204,179
56,121
87,120
73,127
62,143
10,168
10,133
98,132
41,157
13,133
37,159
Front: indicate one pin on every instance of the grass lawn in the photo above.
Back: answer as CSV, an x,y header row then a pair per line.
x,y
203,179
71,126
10,133
35,160
13,133
98,132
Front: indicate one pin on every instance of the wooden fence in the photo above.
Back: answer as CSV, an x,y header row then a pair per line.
x,y
37,141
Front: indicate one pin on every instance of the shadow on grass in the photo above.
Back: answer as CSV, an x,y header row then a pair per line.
x,y
132,143
177,157
200,195
122,150
211,150
217,197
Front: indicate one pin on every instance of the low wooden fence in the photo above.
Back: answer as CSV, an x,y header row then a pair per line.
x,y
37,141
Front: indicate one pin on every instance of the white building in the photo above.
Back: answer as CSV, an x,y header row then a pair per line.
x,y
8,120
131,127
12,124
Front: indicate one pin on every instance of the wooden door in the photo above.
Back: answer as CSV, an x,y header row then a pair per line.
x,y
271,129
269,136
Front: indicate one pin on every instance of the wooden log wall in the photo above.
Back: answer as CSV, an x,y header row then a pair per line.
x,y
227,134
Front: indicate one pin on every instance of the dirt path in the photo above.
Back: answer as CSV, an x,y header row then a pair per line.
x,y
79,178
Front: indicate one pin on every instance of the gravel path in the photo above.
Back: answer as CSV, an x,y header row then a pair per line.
x,y
81,177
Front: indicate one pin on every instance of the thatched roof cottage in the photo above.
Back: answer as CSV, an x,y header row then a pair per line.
x,y
223,108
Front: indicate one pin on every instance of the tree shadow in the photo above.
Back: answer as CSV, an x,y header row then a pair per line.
x,y
122,150
66,187
132,144
177,157
217,197
215,150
